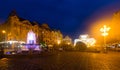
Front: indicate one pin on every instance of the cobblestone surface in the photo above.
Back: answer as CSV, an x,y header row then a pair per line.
x,y
64,61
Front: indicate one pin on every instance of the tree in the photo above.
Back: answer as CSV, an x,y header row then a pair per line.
x,y
81,46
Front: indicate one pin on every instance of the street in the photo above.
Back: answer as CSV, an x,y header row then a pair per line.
x,y
64,61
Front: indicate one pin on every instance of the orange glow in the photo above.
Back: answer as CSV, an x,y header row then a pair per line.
x,y
104,30
58,42
95,29
68,43
3,31
114,32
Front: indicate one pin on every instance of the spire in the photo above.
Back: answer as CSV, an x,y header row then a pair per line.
x,y
13,13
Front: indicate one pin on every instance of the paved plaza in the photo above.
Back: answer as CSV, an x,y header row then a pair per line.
x,y
64,61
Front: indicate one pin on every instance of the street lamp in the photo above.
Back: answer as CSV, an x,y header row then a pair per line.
x,y
104,31
58,42
2,48
68,43
3,31
59,47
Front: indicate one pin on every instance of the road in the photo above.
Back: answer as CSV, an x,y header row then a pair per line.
x,y
64,61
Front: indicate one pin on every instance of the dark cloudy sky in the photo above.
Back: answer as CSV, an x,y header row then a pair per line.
x,y
70,16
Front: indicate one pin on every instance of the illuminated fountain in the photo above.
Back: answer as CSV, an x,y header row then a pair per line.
x,y
31,42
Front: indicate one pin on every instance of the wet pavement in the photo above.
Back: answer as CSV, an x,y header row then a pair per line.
x,y
64,61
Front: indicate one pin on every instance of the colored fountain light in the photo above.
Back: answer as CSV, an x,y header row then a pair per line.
x,y
31,38
31,42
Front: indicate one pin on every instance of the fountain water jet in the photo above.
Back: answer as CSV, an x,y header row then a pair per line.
x,y
31,42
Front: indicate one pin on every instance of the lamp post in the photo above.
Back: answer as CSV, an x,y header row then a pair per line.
x,y
4,32
2,47
68,43
104,31
58,42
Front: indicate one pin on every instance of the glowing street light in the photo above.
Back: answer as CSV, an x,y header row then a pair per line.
x,y
68,43
2,48
58,42
3,31
104,31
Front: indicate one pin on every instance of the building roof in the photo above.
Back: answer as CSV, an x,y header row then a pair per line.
x,y
13,13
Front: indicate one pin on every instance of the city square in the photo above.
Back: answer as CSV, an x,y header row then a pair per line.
x,y
60,35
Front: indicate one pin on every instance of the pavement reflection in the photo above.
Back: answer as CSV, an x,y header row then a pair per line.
x,y
64,61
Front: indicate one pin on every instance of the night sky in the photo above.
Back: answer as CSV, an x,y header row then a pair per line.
x,y
72,17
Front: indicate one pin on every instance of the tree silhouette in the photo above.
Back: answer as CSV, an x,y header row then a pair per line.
x,y
81,46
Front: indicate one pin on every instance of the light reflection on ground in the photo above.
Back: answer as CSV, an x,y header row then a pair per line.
x,y
64,61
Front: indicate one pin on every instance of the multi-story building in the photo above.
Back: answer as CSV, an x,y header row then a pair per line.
x,y
67,40
16,29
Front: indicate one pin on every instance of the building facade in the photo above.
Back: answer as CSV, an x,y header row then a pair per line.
x,y
16,29
67,40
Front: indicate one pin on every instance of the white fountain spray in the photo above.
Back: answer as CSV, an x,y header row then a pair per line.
x,y
31,38
31,42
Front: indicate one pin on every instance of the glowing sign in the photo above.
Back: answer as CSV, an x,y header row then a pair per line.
x,y
85,39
